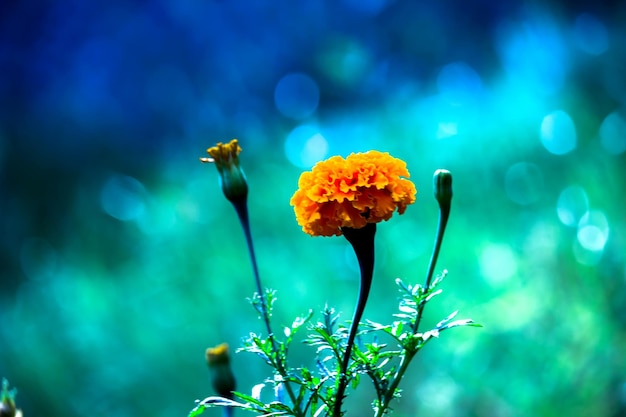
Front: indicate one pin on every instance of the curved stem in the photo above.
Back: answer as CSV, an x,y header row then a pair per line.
x,y
242,212
444,214
362,241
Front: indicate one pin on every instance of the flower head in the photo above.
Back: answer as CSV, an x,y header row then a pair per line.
x,y
7,401
222,377
443,186
362,188
232,178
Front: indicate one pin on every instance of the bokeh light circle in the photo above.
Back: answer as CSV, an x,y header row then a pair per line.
x,y
305,146
123,198
572,205
498,263
593,231
558,133
523,183
296,96
613,133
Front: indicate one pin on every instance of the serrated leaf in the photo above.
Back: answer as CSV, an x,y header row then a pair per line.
x,y
278,406
396,329
417,290
447,319
383,363
463,322
407,309
196,411
355,381
439,278
402,285
431,333
359,354
299,321
320,410
432,294
250,398
225,402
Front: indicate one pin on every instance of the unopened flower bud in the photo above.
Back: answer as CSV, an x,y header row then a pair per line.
x,y
7,401
232,178
443,187
7,408
222,377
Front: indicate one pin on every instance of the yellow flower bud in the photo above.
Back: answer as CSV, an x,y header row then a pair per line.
x,y
7,401
222,377
232,178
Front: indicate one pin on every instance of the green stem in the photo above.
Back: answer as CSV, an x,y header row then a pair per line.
x,y
406,360
362,241
242,212
444,214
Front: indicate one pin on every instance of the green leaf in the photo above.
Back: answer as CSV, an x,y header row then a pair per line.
x,y
396,329
447,319
355,381
439,278
360,356
402,286
197,411
248,398
299,321
223,402
320,410
278,406
464,322
432,294
409,309
384,362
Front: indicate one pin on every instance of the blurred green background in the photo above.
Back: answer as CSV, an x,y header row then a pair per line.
x,y
120,260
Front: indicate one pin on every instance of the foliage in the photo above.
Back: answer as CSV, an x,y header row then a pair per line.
x,y
382,363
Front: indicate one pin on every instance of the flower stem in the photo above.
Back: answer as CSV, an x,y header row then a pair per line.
x,y
444,214
404,364
242,212
362,241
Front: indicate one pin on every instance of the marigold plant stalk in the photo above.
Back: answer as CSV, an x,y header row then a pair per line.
x,y
235,188
349,196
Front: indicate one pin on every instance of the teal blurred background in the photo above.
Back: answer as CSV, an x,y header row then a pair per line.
x,y
120,260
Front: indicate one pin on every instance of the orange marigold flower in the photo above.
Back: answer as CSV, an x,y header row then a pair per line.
x,y
362,188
